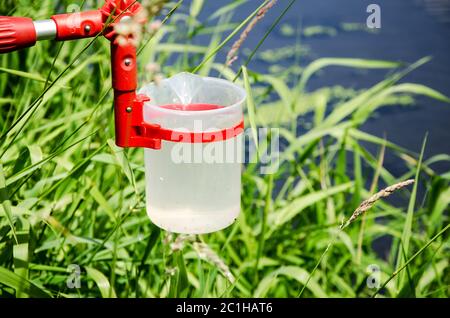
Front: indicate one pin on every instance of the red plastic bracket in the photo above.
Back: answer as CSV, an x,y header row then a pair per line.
x,y
130,128
133,131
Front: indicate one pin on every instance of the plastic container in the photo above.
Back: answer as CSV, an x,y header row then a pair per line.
x,y
193,183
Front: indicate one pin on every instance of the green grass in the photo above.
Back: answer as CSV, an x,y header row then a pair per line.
x,y
68,195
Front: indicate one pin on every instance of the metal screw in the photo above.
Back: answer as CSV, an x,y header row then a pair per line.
x,y
127,62
87,28
129,109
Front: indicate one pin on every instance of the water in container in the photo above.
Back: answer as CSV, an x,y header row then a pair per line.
x,y
193,183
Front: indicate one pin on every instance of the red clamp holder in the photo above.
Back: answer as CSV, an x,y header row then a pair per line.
x,y
138,133
131,131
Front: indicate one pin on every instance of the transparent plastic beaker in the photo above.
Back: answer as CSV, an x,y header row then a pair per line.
x,y
193,183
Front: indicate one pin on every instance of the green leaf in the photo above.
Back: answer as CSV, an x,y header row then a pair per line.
x,y
361,135
380,99
311,136
101,201
431,273
438,212
21,253
251,109
23,173
182,279
180,48
5,203
420,251
27,75
285,214
17,282
407,228
229,37
420,90
280,88
6,100
122,161
102,282
293,272
227,8
361,100
196,7
347,62
35,154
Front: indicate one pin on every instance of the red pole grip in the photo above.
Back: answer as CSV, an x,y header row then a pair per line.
x,y
16,33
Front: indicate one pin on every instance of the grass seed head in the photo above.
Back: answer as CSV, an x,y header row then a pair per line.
x,y
367,204
232,54
206,253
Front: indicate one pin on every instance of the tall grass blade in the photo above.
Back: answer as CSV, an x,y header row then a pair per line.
x,y
251,108
420,251
6,203
347,62
229,37
101,281
407,228
17,282
297,273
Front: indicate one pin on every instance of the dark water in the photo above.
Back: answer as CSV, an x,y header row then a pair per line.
x,y
409,31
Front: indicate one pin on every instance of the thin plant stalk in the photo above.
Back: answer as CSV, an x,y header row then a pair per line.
x,y
360,210
267,206
228,38
394,274
266,35
372,190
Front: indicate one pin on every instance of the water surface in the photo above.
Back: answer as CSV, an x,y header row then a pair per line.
x,y
409,31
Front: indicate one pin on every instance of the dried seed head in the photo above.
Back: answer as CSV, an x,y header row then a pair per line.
x,y
171,271
152,68
153,7
232,54
123,28
231,60
367,204
168,236
122,40
141,16
206,253
130,30
179,242
154,26
158,79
